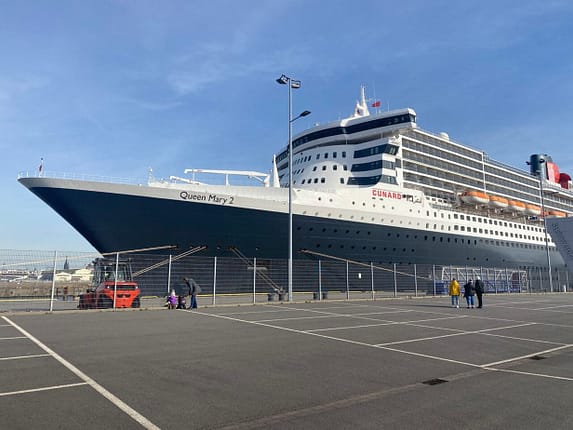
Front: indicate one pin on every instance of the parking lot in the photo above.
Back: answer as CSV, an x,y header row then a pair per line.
x,y
359,364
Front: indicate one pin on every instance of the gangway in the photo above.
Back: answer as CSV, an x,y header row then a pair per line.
x,y
191,251
495,279
266,278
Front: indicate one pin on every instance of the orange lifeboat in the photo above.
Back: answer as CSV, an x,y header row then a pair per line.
x,y
557,214
516,206
498,202
475,197
532,210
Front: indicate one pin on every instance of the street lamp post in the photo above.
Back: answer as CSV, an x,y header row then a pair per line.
x,y
544,215
285,80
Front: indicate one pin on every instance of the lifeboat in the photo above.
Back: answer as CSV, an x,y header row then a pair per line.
x,y
498,202
475,197
557,214
532,210
516,206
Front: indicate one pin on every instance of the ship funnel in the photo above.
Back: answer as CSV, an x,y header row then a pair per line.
x,y
537,164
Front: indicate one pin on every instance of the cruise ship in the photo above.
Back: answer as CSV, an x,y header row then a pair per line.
x,y
373,187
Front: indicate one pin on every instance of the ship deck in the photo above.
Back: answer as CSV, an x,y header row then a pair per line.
x,y
336,364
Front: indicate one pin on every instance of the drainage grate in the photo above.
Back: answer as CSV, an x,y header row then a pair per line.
x,y
537,357
434,381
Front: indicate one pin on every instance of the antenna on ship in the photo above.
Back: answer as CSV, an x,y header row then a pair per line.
x,y
361,106
275,174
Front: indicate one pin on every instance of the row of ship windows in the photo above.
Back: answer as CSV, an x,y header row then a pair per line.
x,y
361,180
444,161
325,156
460,175
495,174
356,128
475,229
463,217
494,232
494,222
373,165
448,146
444,239
499,181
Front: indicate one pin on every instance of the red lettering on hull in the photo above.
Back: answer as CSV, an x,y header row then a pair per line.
x,y
386,194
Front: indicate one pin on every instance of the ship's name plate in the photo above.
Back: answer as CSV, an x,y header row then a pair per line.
x,y
210,198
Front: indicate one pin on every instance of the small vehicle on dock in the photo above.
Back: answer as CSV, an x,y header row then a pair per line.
x,y
112,282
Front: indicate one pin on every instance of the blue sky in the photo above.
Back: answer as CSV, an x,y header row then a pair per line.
x,y
114,87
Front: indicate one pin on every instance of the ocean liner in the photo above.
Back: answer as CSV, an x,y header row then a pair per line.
x,y
370,187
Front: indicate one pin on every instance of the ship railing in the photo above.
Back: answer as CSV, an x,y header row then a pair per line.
x,y
82,177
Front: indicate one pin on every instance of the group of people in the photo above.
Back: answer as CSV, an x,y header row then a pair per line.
x,y
175,301
471,289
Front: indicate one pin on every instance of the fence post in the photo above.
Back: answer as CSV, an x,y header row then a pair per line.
x,y
347,283
53,282
434,278
115,279
372,278
507,281
319,280
540,281
415,281
395,282
169,276
214,279
254,280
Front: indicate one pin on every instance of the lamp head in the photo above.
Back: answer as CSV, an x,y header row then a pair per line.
x,y
283,80
305,113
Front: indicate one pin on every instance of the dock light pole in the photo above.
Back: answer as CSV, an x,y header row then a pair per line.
x,y
285,80
542,200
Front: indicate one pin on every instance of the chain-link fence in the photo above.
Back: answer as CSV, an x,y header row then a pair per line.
x,y
48,281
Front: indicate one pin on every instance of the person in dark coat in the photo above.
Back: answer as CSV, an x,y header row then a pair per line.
x,y
469,292
479,292
194,289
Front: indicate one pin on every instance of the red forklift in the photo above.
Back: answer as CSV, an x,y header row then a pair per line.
x,y
112,281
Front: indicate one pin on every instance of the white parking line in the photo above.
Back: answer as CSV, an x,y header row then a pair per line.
x,y
35,390
100,389
14,337
541,375
353,342
20,357
458,333
521,357
487,367
386,322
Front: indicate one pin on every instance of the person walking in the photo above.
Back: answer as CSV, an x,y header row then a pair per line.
x,y
469,292
454,292
479,292
194,289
